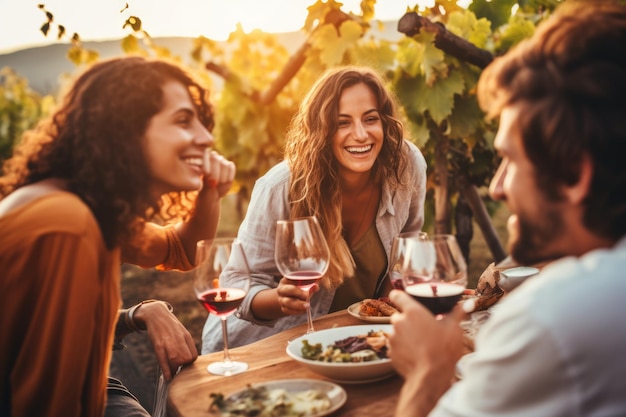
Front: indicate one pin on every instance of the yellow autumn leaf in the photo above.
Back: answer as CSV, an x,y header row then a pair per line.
x,y
332,46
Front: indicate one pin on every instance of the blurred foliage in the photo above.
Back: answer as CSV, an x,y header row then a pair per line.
x,y
436,90
20,109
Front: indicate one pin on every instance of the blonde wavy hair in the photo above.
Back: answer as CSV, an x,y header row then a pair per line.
x,y
315,189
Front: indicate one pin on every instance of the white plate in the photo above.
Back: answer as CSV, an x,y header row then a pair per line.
x,y
353,310
336,394
343,372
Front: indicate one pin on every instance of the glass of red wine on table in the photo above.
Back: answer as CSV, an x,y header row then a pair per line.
x,y
434,272
218,295
302,255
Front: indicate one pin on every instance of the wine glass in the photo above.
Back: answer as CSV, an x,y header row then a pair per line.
x,y
434,272
218,296
396,258
302,255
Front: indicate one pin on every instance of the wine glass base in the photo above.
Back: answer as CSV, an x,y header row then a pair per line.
x,y
227,369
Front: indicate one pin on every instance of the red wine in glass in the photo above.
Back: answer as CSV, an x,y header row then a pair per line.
x,y
438,297
301,255
434,272
219,292
396,280
304,279
222,301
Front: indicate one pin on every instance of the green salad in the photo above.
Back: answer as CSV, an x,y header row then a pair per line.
x,y
263,402
362,348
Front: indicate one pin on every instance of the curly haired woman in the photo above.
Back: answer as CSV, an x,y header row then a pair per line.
x,y
347,163
129,143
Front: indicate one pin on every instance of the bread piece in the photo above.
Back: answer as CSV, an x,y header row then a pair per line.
x,y
488,281
488,292
485,301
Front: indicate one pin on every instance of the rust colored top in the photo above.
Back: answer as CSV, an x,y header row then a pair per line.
x,y
59,300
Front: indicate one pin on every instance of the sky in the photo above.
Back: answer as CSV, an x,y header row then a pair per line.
x,y
20,20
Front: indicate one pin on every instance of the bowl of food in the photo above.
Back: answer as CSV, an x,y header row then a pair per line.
x,y
350,354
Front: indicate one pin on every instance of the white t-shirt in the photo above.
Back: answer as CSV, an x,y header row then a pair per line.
x,y
556,346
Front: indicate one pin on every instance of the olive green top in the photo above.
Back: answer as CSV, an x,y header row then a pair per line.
x,y
371,265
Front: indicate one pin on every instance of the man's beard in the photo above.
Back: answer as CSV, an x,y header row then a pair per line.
x,y
534,237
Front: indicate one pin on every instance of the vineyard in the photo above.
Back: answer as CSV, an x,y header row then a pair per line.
x,y
433,69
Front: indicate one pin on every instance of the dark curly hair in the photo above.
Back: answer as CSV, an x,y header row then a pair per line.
x,y
570,81
95,142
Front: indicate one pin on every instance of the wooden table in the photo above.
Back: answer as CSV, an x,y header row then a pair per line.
x,y
190,389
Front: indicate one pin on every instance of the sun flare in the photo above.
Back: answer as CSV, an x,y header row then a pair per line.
x,y
97,20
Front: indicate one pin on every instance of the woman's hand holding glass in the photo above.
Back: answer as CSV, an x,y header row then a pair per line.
x,y
293,299
302,256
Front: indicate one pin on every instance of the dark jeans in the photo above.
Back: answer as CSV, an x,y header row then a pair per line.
x,y
121,402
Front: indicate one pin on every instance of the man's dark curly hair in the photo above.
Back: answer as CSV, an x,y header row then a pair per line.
x,y
570,81
95,141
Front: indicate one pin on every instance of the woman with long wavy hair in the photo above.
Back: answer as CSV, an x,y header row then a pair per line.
x,y
130,142
347,163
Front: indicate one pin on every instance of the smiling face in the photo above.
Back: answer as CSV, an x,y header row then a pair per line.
x,y
176,142
359,136
536,226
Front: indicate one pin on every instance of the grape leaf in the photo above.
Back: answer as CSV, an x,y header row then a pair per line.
x,y
465,118
317,13
517,29
332,46
465,25
433,63
418,132
45,28
213,48
419,55
437,100
449,6
130,44
376,54
498,12
134,22
367,9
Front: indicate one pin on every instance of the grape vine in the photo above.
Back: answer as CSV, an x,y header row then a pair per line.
x,y
433,69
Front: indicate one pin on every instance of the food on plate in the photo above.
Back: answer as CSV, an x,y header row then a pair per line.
x,y
377,307
275,402
362,348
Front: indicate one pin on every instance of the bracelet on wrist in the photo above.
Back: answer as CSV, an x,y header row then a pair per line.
x,y
129,315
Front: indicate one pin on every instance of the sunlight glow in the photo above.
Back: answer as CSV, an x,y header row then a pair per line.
x,y
97,19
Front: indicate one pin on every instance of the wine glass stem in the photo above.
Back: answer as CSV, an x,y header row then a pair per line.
x,y
225,339
310,328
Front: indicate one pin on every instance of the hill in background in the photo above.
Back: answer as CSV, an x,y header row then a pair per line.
x,y
44,66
